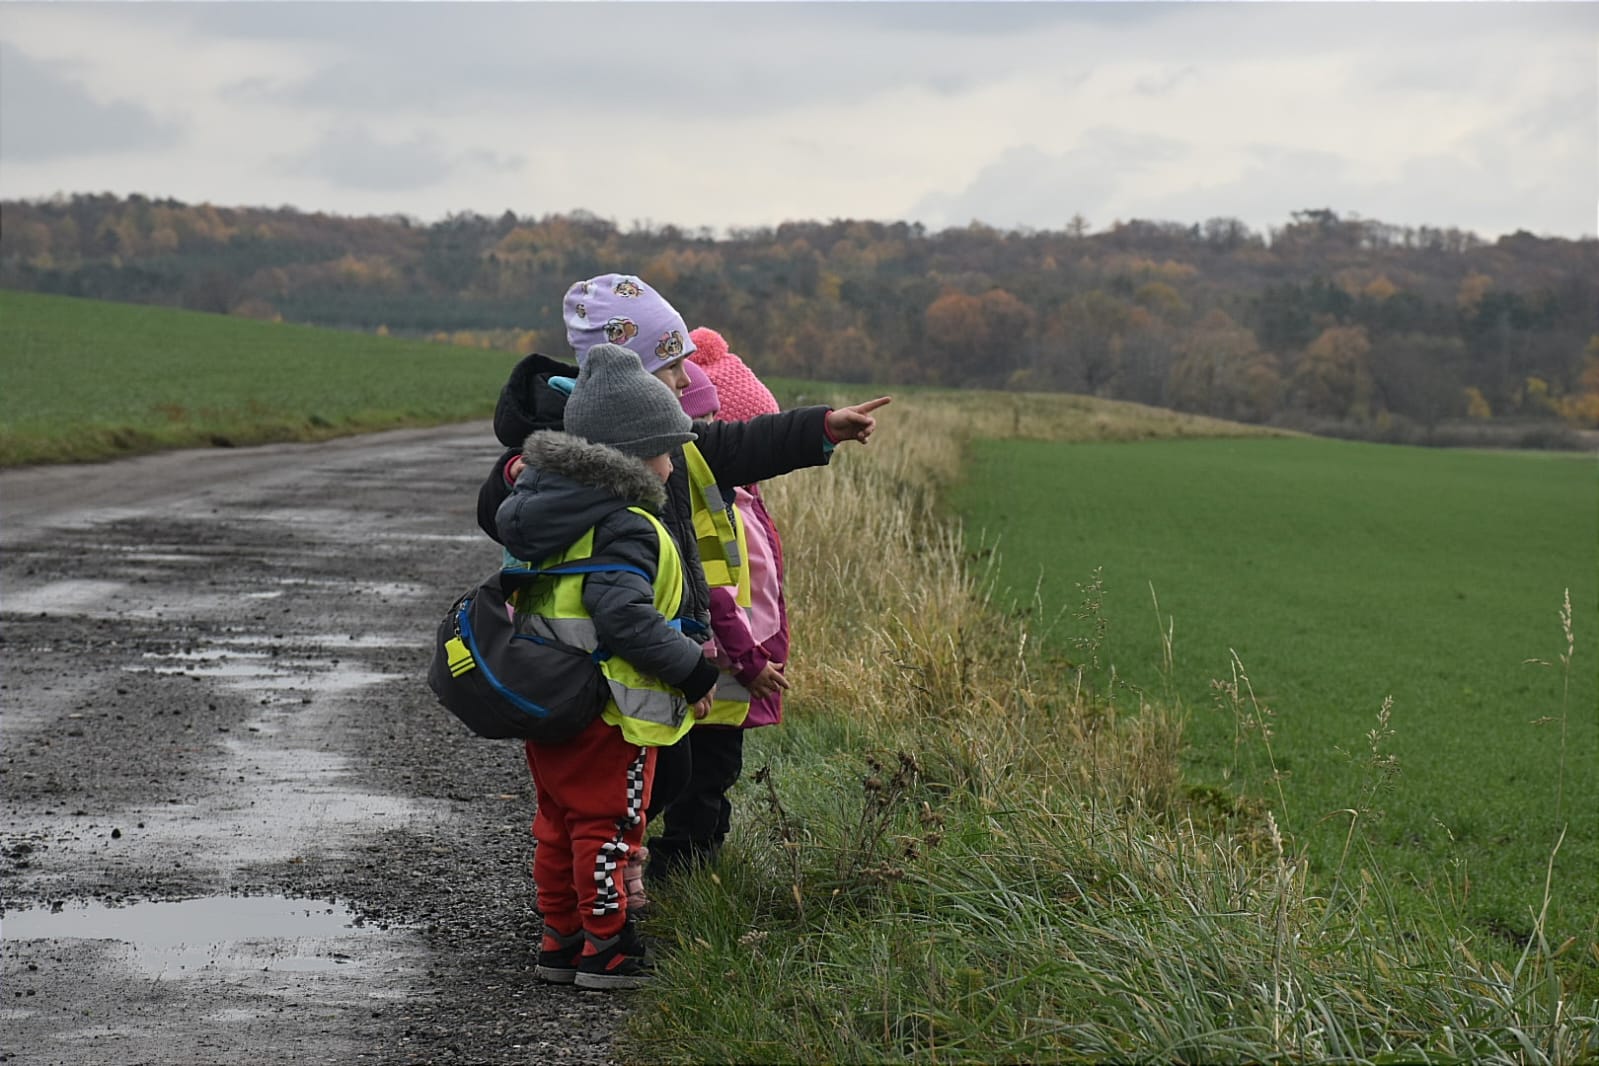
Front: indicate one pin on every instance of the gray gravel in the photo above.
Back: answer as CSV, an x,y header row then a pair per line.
x,y
237,827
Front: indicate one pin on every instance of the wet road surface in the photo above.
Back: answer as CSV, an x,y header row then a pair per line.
x,y
237,828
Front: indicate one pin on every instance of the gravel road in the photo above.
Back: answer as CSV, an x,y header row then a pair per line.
x,y
237,828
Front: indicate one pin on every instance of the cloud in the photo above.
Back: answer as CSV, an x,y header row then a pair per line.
x,y
1111,175
481,159
747,114
1165,82
1496,184
1028,187
45,114
1564,115
620,62
1475,186
965,21
448,24
350,157
1269,182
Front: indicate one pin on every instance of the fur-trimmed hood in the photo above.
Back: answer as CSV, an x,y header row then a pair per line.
x,y
599,466
569,486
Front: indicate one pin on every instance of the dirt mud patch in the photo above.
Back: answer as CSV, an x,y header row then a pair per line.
x,y
237,827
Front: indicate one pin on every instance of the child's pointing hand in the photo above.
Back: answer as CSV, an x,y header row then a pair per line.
x,y
854,423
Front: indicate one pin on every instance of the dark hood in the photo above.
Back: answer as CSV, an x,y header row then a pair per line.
x,y
527,403
568,487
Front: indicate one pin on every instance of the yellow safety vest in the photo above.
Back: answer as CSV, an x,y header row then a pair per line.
x,y
649,712
718,529
732,703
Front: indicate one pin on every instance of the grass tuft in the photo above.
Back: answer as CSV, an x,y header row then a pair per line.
x,y
962,848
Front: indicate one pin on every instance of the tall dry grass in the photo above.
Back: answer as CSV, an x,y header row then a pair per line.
x,y
898,628
958,850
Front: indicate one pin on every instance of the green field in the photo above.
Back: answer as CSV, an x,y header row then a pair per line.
x,y
1342,574
951,852
89,379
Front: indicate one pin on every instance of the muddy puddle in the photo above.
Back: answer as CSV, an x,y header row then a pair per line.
x,y
226,979
219,933
235,826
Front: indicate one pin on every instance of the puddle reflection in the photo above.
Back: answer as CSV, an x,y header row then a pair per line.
x,y
213,933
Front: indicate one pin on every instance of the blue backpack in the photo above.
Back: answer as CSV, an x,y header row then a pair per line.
x,y
506,683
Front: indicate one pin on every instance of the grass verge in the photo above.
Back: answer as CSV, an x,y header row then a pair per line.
x,y
951,851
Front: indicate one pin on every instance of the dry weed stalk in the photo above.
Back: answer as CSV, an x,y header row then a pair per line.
x,y
787,839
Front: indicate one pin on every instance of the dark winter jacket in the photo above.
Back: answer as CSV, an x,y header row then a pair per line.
x,y
739,453
571,486
528,403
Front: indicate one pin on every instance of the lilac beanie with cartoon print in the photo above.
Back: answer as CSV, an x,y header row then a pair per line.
x,y
621,309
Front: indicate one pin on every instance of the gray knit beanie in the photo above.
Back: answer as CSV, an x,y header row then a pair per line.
x,y
615,402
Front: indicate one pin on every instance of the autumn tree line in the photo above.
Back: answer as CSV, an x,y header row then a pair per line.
x,y
1341,324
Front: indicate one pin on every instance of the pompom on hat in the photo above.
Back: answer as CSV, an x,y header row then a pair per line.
x,y
700,398
620,309
741,393
615,402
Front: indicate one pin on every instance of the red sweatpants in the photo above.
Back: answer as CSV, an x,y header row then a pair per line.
x,y
592,794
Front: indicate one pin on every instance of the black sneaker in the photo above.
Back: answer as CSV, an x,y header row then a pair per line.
x,y
671,858
558,953
617,962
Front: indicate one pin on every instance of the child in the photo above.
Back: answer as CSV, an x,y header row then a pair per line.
x,y
622,309
595,493
751,638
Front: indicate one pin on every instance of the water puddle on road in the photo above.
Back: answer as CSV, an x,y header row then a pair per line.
x,y
326,640
261,670
213,933
357,590
62,597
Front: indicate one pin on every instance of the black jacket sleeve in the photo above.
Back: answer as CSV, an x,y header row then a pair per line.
x,y
702,680
492,493
740,453
768,446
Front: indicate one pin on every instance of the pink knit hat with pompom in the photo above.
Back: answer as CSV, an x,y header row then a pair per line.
x,y
741,393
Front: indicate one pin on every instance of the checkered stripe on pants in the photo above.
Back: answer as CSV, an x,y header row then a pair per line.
x,y
614,851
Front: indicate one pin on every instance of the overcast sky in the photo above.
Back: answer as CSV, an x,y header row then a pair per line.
x,y
1483,116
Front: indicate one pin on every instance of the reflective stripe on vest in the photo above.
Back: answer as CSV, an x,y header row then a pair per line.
x,y
718,529
649,712
732,703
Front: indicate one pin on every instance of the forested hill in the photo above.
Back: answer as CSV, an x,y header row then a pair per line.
x,y
1324,319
